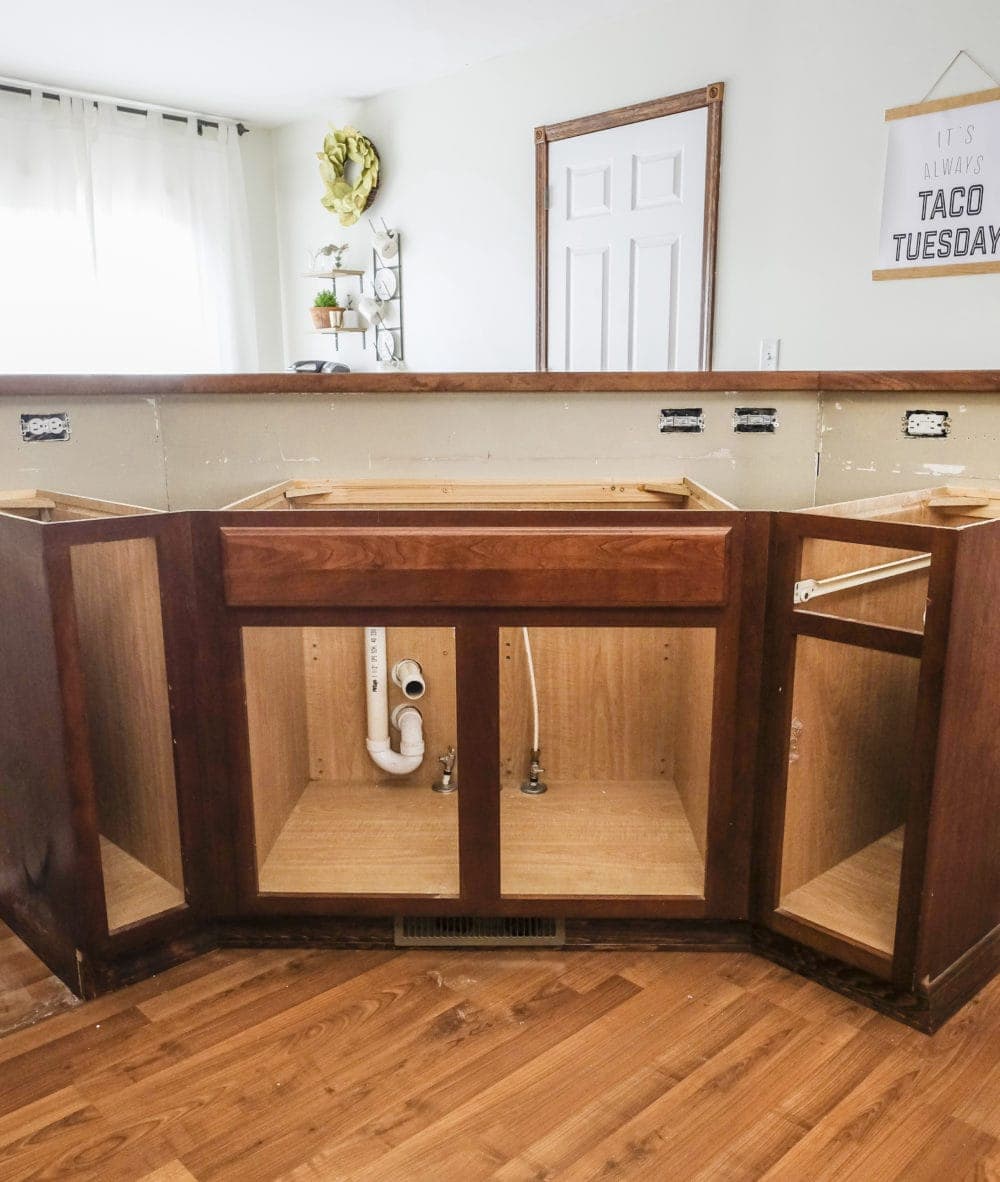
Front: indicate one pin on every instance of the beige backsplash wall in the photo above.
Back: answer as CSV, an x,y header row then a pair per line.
x,y
202,452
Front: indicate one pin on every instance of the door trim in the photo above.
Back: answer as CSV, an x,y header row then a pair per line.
x,y
707,96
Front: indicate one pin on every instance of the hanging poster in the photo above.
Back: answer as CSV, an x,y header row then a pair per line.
x,y
941,205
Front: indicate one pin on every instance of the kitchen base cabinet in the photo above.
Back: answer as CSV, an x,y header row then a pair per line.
x,y
583,655
335,707
880,811
93,863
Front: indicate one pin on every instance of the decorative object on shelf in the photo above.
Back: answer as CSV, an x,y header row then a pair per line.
x,y
350,318
337,253
326,311
348,201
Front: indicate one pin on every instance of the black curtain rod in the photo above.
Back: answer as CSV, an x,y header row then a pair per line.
x,y
241,128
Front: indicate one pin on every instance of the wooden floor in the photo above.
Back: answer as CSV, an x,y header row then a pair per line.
x,y
858,897
511,1066
590,837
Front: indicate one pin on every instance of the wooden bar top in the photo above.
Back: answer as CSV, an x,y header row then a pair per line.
x,y
735,381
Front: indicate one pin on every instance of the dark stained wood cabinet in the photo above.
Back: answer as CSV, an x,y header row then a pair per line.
x,y
879,813
98,777
643,625
182,740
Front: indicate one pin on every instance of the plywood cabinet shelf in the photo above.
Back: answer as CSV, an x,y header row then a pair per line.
x,y
589,837
857,898
366,838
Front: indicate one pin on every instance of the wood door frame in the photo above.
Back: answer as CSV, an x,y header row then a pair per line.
x,y
710,96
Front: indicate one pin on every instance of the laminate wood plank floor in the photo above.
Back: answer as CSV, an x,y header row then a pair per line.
x,y
506,1065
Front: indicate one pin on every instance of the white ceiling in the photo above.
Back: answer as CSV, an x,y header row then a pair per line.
x,y
270,63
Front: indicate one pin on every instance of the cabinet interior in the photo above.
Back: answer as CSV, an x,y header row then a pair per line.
x,y
303,495
116,590
898,601
948,505
38,504
625,725
326,819
852,732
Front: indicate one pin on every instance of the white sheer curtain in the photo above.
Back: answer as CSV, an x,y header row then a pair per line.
x,y
124,242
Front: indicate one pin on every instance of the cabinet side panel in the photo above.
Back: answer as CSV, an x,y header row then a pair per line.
x,y
693,723
962,886
37,844
117,593
274,665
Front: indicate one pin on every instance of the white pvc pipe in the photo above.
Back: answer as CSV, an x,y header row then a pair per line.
x,y
408,675
411,754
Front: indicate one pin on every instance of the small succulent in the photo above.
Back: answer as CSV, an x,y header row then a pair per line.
x,y
326,299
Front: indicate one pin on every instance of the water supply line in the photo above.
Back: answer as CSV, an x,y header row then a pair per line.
x,y
533,786
406,718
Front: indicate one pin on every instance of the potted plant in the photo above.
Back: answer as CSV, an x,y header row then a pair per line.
x,y
326,312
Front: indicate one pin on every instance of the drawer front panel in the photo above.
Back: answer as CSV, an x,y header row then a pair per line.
x,y
475,567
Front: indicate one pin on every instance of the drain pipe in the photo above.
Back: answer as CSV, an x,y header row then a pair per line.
x,y
406,718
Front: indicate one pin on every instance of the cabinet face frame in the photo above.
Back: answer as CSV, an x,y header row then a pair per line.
x,y
784,625
737,621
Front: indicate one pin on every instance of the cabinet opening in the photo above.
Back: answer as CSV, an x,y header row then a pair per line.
x,y
950,506
38,504
853,720
304,495
872,584
116,590
624,738
328,819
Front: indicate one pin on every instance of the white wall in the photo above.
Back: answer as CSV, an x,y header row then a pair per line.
x,y
803,149
304,226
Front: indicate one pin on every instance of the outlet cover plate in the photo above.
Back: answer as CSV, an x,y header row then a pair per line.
x,y
47,427
690,419
926,424
755,419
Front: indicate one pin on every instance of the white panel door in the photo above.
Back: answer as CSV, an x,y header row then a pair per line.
x,y
626,232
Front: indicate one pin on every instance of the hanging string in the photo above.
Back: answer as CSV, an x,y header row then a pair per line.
x,y
961,53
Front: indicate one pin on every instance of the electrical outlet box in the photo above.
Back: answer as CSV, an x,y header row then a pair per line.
x,y
751,419
926,424
51,427
769,348
690,419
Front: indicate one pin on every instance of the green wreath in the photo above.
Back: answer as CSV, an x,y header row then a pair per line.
x,y
348,201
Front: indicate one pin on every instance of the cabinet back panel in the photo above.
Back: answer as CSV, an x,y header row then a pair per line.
x,y
336,703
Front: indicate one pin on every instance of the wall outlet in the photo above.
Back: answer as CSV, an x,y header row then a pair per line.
x,y
755,419
689,419
769,348
926,424
50,427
